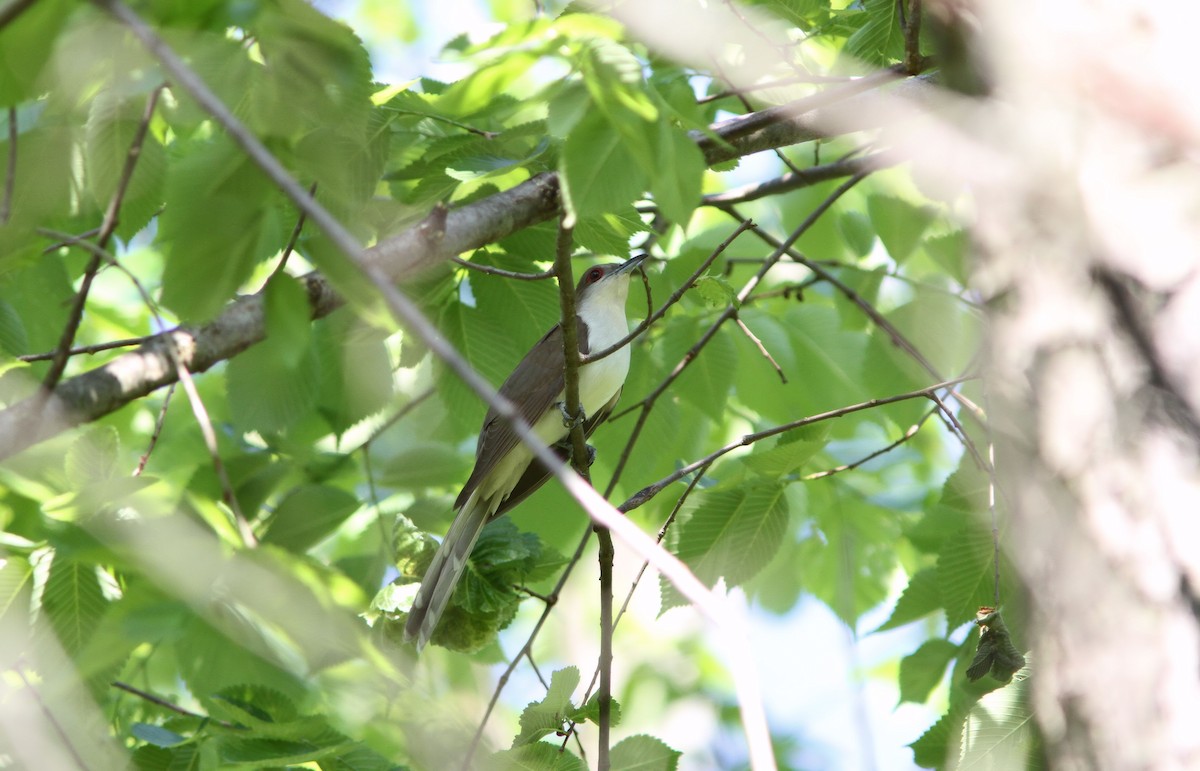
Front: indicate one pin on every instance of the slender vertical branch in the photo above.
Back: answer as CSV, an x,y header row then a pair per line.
x,y
912,37
10,173
111,217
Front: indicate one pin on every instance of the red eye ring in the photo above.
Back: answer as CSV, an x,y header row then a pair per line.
x,y
594,275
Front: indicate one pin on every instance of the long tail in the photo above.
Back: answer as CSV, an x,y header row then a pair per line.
x,y
445,571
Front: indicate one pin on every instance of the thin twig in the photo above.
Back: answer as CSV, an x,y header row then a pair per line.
x,y
111,216
501,272
893,333
189,387
662,533
512,665
761,348
802,178
158,427
909,434
646,493
88,349
161,702
674,298
294,237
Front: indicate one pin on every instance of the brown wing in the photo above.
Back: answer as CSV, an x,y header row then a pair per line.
x,y
536,475
538,380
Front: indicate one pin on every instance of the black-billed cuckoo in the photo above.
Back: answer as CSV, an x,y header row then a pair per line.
x,y
505,473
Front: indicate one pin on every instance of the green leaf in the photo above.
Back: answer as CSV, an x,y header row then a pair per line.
x,y
676,181
591,711
920,598
899,223
484,341
999,731
156,735
950,251
214,183
730,533
13,339
113,121
923,669
706,381
308,514
716,291
846,560
92,458
73,602
16,583
609,233
880,40
538,756
790,452
965,573
644,753
544,717
856,228
356,369
288,319
599,173
25,46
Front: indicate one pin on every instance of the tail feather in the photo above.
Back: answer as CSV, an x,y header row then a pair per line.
x,y
445,571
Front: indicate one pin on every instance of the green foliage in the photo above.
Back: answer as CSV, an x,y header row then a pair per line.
x,y
343,440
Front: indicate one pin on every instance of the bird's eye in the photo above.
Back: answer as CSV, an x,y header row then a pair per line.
x,y
594,275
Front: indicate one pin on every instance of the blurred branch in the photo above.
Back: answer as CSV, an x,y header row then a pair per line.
x,y
10,12
646,493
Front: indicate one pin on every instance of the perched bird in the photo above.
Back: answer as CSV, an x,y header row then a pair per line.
x,y
505,471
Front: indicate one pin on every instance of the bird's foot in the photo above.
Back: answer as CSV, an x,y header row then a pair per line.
x,y
565,450
569,420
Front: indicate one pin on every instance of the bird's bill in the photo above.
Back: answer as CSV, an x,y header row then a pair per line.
x,y
633,263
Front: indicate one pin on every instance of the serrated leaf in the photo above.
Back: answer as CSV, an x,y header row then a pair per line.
x,y
965,573
308,514
729,533
544,717
706,381
716,291
851,551
113,122
214,183
644,753
599,173
538,756
591,711
92,458
999,731
920,598
288,319
676,181
13,339
899,223
856,228
27,43
356,370
73,602
924,668
16,581
609,233
790,452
